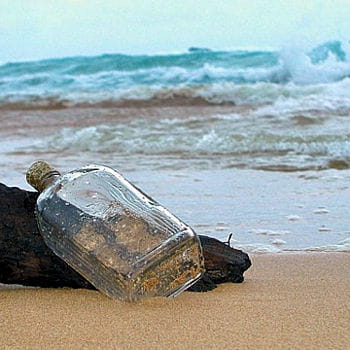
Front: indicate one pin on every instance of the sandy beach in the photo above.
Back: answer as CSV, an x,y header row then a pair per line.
x,y
288,301
234,116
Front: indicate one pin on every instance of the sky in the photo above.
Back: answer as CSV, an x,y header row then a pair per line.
x,y
35,29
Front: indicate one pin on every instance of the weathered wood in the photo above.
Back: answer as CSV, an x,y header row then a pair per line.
x,y
25,259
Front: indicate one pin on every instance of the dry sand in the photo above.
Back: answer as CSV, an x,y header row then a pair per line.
x,y
289,301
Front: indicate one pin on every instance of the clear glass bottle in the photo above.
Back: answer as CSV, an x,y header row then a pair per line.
x,y
122,241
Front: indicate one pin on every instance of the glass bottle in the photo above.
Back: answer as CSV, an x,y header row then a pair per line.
x,y
121,240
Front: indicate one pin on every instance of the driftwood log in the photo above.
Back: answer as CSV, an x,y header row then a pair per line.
x,y
25,259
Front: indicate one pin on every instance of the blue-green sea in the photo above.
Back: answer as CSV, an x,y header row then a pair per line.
x,y
238,76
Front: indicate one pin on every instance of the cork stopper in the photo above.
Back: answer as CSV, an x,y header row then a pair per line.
x,y
40,174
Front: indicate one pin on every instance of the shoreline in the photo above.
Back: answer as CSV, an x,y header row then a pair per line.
x,y
266,209
287,301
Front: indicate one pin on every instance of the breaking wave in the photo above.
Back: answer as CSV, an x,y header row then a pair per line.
x,y
230,140
235,77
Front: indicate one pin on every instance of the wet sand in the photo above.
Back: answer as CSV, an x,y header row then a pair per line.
x,y
289,301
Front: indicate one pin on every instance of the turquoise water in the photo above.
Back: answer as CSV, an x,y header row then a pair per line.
x,y
238,77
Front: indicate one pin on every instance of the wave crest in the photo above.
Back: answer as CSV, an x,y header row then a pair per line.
x,y
211,138
236,77
281,98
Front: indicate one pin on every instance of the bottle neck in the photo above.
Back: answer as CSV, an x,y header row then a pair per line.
x,y
47,179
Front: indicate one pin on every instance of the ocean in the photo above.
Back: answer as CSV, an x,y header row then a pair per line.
x,y
250,142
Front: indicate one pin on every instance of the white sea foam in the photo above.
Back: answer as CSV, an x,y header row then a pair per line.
x,y
258,248
229,138
267,232
342,246
278,242
274,99
321,211
303,71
